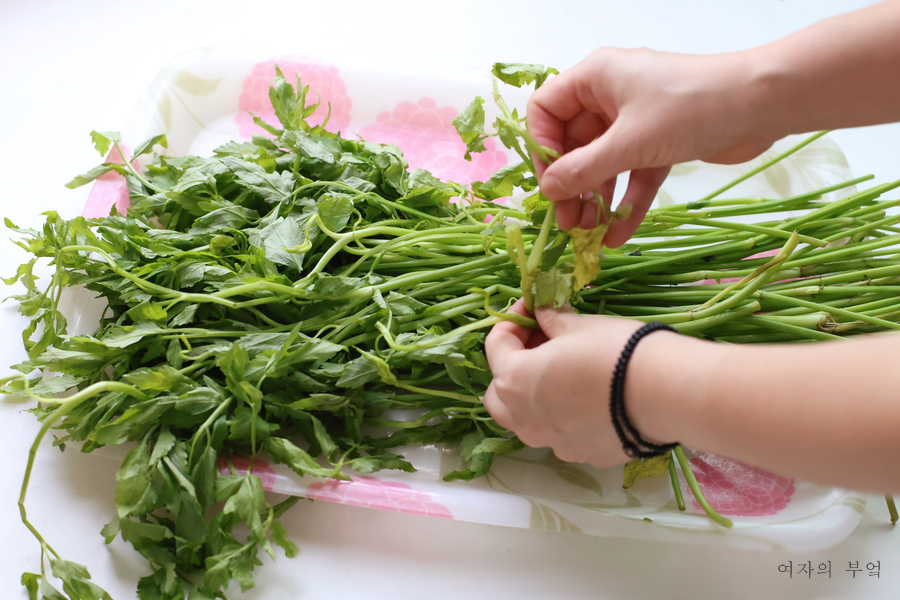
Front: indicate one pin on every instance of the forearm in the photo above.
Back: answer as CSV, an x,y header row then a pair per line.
x,y
825,412
841,72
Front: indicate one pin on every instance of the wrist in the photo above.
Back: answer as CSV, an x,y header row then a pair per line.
x,y
763,91
666,387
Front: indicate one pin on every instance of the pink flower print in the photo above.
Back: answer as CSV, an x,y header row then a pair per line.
x,y
322,79
735,488
109,189
371,492
260,468
429,141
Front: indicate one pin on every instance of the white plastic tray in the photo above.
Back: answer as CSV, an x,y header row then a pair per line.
x,y
199,100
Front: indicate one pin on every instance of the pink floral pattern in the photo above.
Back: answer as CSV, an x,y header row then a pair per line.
x,y
260,468
109,189
429,141
321,77
371,492
735,488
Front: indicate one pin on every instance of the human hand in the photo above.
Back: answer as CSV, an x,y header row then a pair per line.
x,y
641,111
551,387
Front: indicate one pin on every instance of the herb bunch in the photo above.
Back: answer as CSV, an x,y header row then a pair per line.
x,y
307,297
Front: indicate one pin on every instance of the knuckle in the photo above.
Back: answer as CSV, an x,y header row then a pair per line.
x,y
575,176
602,54
505,387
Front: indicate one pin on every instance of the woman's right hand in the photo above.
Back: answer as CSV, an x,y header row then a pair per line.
x,y
642,111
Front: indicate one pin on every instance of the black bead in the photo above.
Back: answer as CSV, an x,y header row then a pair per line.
x,y
632,442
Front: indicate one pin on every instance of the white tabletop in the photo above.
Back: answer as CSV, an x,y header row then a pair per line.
x,y
69,67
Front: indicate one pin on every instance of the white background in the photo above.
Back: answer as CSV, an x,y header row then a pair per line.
x,y
67,67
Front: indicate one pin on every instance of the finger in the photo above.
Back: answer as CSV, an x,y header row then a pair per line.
x,y
607,190
583,129
587,168
496,408
535,339
506,338
642,188
570,453
560,100
555,322
589,211
568,213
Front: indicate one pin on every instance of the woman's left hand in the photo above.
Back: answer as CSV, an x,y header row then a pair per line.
x,y
551,387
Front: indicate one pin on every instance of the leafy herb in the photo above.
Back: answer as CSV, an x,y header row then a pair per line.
x,y
278,297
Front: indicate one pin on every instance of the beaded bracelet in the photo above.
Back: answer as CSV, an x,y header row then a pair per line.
x,y
632,443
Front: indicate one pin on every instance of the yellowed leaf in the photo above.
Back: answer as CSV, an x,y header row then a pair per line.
x,y
640,468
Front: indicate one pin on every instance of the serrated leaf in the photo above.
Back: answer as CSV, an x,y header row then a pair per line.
x,y
552,288
104,140
470,125
519,74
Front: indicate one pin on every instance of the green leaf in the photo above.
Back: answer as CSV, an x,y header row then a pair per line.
x,y
248,502
311,147
164,584
225,218
501,183
290,105
55,385
164,443
133,479
357,373
384,371
271,187
204,477
371,464
536,207
497,446
147,145
161,378
519,74
284,451
478,456
104,140
279,536
48,592
90,176
31,582
645,467
335,212
148,311
470,126
285,243
76,582
552,288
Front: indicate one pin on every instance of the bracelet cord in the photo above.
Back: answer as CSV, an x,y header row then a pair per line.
x,y
632,442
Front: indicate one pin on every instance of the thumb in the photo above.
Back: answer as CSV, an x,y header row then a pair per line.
x,y
588,167
555,322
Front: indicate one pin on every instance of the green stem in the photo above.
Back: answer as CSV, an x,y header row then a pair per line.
x,y
676,486
892,508
65,406
695,489
762,167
